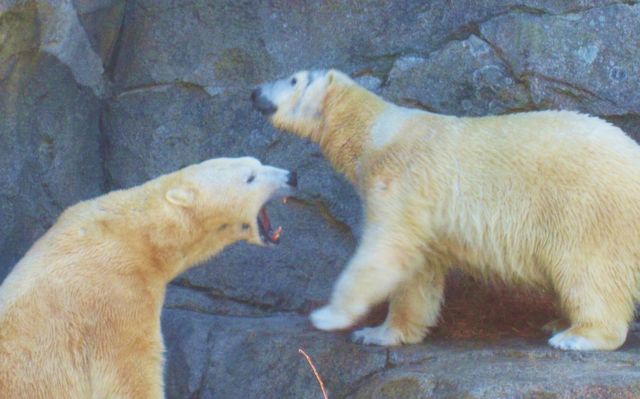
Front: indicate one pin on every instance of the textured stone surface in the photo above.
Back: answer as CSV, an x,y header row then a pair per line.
x,y
103,94
102,21
481,84
508,369
258,357
589,65
49,135
229,357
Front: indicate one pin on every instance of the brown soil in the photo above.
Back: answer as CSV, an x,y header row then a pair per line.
x,y
481,310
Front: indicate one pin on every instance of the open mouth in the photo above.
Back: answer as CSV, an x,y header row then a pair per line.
x,y
268,234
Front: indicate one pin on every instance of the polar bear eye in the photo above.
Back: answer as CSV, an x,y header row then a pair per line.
x,y
294,81
251,178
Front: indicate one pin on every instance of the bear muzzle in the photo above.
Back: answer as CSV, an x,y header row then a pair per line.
x,y
292,179
262,103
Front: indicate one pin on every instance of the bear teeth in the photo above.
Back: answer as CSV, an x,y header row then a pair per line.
x,y
275,237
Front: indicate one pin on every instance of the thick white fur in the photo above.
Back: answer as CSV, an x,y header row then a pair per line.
x,y
80,313
548,199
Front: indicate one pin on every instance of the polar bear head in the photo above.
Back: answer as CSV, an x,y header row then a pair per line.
x,y
296,103
227,197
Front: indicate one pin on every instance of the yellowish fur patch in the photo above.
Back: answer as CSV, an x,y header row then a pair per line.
x,y
80,312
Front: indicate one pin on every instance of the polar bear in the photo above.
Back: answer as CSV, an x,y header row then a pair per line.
x,y
548,199
80,313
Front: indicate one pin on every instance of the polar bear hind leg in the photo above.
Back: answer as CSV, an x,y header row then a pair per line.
x,y
598,306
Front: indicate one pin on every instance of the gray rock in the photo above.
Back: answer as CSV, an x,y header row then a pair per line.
x,y
508,369
159,129
102,21
630,123
227,357
589,64
213,45
208,301
464,78
49,136
370,82
227,45
62,36
258,357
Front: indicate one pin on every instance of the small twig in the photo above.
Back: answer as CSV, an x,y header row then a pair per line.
x,y
324,393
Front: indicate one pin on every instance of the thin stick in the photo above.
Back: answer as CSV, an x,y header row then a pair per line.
x,y
324,393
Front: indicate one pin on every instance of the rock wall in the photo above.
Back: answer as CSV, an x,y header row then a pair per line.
x,y
103,94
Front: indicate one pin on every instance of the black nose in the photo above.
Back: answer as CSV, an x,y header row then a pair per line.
x,y
255,93
293,179
262,103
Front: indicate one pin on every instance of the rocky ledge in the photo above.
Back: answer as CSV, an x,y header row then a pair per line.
x,y
257,357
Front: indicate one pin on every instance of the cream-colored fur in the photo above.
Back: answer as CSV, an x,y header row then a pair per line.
x,y
548,199
80,313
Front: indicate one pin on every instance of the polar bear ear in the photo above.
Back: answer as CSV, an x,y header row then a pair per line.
x,y
180,196
330,76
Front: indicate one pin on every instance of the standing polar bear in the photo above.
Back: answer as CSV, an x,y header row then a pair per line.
x,y
549,199
80,313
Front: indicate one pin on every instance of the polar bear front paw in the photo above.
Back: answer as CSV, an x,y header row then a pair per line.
x,y
381,335
329,318
570,342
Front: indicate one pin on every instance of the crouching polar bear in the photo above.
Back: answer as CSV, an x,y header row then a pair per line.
x,y
549,199
80,313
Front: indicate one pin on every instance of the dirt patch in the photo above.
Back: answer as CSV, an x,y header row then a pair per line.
x,y
475,309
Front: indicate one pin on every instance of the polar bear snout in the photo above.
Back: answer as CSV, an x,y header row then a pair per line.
x,y
262,103
286,184
292,179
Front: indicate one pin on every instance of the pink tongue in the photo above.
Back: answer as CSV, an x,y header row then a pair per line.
x,y
265,219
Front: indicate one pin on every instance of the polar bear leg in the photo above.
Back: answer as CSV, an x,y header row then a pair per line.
x,y
598,307
414,308
581,337
380,264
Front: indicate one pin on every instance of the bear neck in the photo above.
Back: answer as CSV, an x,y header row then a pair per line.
x,y
348,114
161,236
